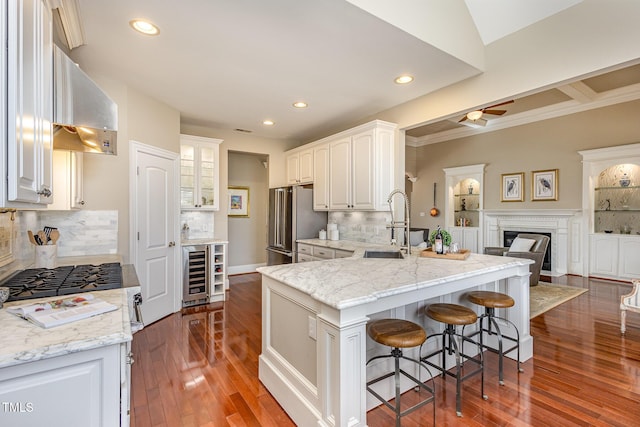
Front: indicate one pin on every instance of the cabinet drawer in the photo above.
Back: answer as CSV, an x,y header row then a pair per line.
x,y
305,258
320,252
304,249
341,253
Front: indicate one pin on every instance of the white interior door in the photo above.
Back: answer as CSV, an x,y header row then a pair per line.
x,y
154,228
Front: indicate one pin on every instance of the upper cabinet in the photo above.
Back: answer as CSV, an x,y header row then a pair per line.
x,y
199,172
27,93
321,177
300,167
67,180
361,165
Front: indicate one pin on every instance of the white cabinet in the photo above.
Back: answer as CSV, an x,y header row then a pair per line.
x,y
308,252
219,280
321,178
300,167
27,89
614,256
199,172
466,237
361,165
67,180
77,389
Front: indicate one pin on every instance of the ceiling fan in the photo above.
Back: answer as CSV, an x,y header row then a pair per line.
x,y
476,115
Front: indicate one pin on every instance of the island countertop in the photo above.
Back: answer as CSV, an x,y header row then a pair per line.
x,y
348,282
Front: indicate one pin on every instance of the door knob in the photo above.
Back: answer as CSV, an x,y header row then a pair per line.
x,y
172,244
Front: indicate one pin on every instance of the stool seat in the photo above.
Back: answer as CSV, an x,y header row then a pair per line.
x,y
451,314
490,299
396,333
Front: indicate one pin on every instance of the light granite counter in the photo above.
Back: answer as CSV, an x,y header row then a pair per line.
x,y
22,341
204,241
347,245
314,316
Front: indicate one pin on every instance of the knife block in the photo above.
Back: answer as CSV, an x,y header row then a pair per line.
x,y
46,256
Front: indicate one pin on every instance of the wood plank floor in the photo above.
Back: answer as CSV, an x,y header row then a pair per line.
x,y
200,368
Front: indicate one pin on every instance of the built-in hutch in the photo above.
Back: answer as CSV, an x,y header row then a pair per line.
x,y
611,205
464,204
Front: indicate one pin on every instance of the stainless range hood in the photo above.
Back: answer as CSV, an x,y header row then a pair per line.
x,y
85,118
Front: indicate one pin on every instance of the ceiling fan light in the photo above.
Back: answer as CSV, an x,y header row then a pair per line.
x,y
474,115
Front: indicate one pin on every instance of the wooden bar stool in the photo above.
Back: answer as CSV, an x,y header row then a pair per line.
x,y
490,301
398,334
453,315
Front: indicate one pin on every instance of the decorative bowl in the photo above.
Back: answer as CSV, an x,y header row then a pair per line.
x,y
4,295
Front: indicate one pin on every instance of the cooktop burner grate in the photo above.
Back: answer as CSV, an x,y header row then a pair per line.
x,y
42,282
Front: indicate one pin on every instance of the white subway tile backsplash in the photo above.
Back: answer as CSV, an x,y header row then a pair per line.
x,y
363,226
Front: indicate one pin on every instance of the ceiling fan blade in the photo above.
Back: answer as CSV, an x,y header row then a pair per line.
x,y
497,105
495,112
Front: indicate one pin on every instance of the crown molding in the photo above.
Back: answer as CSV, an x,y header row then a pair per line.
x,y
70,18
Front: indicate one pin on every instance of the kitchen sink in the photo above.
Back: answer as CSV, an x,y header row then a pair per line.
x,y
383,254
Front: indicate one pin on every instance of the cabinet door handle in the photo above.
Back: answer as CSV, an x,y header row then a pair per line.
x,y
44,192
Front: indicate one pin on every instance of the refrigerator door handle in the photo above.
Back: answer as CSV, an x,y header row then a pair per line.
x,y
289,254
276,219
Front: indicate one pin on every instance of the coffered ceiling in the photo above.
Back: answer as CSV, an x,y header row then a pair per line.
x,y
599,91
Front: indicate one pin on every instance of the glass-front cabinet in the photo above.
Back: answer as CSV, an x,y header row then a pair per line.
x,y
199,171
464,204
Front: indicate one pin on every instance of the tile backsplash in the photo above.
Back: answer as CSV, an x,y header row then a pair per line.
x,y
363,226
81,232
200,224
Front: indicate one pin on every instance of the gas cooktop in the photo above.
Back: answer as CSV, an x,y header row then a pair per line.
x,y
44,282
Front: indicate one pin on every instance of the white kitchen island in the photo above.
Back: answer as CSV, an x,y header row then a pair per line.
x,y
314,315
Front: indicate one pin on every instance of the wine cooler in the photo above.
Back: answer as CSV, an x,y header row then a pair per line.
x,y
196,279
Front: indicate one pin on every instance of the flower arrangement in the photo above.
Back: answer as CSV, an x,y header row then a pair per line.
x,y
446,237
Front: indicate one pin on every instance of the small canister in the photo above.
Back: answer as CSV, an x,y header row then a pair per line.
x,y
322,235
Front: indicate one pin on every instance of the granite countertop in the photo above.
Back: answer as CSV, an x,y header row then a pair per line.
x,y
23,341
348,282
203,241
347,245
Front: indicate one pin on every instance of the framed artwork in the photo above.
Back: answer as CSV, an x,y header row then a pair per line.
x,y
238,202
544,185
513,187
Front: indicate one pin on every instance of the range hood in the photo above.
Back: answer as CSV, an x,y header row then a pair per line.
x,y
85,118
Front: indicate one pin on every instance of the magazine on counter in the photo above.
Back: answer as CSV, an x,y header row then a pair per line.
x,y
61,311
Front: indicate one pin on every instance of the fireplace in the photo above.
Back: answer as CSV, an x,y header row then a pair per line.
x,y
508,237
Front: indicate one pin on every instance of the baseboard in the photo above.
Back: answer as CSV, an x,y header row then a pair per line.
x,y
247,268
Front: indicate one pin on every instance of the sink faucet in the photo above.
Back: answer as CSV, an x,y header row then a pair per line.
x,y
400,224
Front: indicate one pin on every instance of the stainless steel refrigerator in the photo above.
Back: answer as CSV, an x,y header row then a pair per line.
x,y
291,217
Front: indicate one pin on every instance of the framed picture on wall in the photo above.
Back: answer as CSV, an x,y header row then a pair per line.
x,y
544,185
513,187
238,202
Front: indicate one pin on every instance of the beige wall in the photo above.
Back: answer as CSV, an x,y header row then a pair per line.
x,y
106,178
248,236
549,144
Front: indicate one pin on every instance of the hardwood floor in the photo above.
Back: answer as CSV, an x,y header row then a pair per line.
x,y
200,368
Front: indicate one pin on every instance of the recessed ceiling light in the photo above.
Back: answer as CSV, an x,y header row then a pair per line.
x,y
404,79
144,27
268,123
300,104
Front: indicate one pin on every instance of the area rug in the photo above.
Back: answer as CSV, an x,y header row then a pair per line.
x,y
546,296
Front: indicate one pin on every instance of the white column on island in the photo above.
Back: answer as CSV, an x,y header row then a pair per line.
x,y
342,375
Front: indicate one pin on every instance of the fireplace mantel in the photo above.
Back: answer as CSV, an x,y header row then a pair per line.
x,y
558,222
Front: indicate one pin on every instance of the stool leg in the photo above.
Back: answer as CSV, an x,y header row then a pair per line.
x,y
397,379
500,353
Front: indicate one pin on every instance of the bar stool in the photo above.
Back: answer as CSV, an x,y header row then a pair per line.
x,y
398,334
490,301
453,315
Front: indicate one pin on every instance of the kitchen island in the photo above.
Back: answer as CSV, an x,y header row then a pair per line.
x,y
314,315
73,374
